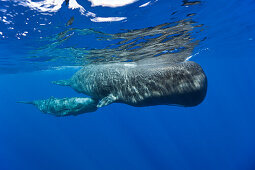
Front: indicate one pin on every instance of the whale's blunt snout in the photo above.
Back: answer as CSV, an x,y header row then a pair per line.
x,y
200,94
193,85
199,89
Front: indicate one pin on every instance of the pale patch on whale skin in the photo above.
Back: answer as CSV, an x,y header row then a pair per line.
x,y
143,83
130,65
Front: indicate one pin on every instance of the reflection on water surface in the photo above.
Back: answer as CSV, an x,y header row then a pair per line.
x,y
46,42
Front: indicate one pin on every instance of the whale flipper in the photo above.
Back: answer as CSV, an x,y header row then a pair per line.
x,y
65,106
106,100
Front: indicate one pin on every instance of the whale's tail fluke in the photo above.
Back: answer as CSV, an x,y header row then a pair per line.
x,y
25,102
62,82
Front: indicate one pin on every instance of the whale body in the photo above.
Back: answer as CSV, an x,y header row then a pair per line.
x,y
143,83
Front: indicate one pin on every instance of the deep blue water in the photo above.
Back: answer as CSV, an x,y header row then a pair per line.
x,y
219,134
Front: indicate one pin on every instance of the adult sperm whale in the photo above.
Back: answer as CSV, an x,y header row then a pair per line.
x,y
147,82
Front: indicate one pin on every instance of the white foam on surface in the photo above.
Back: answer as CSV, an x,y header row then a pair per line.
x,y
111,3
50,5
144,5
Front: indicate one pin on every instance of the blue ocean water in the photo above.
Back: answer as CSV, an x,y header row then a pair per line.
x,y
216,135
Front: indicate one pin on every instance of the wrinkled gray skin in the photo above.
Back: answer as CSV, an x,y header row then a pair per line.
x,y
146,82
